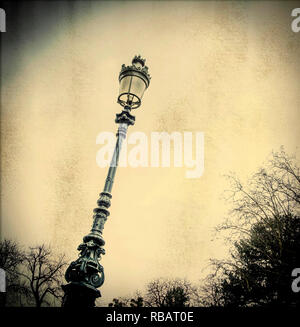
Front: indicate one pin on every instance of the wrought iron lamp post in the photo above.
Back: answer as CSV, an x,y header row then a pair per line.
x,y
86,274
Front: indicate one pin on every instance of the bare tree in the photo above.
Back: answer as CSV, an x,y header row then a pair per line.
x,y
162,293
119,302
272,192
171,292
10,255
264,233
211,295
136,300
43,274
11,258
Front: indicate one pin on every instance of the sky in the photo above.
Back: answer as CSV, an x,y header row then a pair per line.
x,y
227,69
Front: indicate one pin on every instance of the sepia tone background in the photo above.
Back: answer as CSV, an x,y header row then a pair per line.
x,y
228,69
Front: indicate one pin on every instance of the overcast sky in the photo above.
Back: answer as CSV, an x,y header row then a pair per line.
x,y
227,69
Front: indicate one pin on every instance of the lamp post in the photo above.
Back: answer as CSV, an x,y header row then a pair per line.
x,y
85,275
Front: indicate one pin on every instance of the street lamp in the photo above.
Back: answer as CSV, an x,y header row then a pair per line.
x,y
86,274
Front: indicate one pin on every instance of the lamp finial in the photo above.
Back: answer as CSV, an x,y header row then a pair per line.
x,y
138,59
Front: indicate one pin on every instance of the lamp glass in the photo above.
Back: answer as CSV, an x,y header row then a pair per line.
x,y
138,87
132,89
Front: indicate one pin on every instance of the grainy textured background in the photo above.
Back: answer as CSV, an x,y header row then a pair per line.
x,y
228,69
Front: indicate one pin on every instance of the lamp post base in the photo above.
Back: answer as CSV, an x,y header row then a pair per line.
x,y
79,295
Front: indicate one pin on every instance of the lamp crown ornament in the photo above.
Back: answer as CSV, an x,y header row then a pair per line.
x,y
144,70
135,61
139,59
